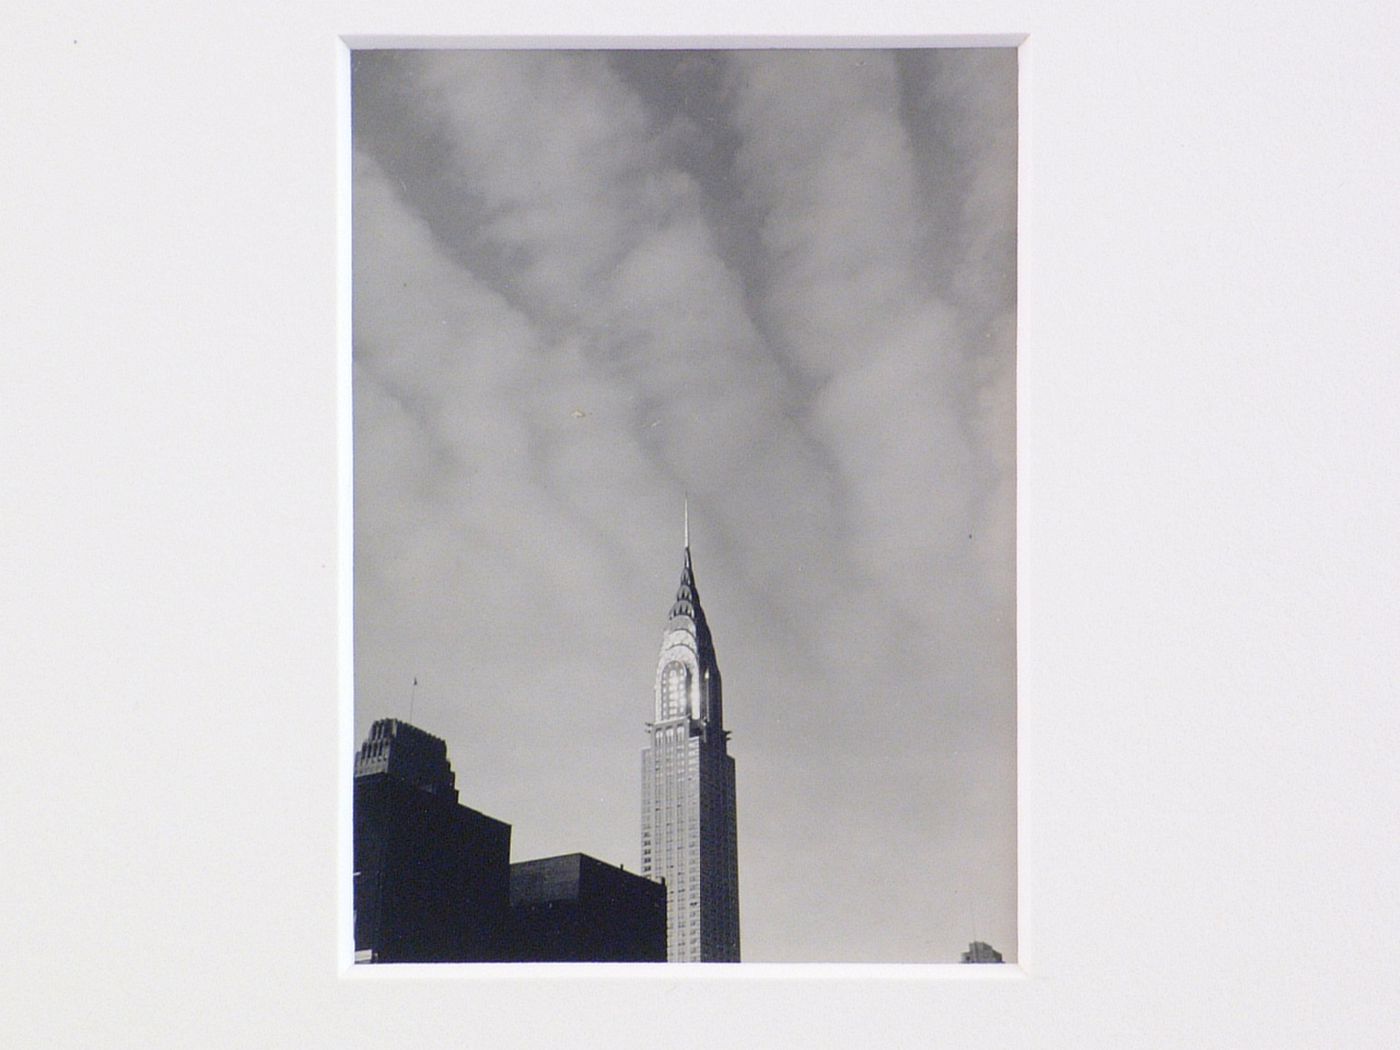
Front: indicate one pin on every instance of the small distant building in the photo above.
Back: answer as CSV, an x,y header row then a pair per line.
x,y
574,908
981,952
432,877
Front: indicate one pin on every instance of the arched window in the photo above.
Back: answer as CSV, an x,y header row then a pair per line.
x,y
675,690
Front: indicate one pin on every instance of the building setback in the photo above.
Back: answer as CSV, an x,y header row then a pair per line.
x,y
431,876
689,826
574,908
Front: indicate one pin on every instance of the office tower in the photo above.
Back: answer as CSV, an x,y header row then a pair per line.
x,y
432,877
689,834
575,908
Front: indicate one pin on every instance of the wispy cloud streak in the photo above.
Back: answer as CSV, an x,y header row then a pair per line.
x,y
585,282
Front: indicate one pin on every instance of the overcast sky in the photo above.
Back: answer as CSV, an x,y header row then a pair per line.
x,y
586,283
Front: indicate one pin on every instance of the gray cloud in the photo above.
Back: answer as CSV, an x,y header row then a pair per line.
x,y
784,282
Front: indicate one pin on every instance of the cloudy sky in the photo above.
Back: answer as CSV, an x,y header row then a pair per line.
x,y
586,283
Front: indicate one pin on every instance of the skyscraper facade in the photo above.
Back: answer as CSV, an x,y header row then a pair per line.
x,y
432,877
689,828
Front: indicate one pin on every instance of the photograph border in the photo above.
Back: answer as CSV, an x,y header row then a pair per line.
x,y
345,947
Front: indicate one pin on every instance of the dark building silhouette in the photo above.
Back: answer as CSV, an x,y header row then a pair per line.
x,y
574,908
432,877
434,882
408,754
981,952
689,825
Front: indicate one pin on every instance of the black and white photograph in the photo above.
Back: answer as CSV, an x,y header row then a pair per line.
x,y
699,525
684,504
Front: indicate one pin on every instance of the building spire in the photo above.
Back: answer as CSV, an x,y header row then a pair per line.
x,y
687,596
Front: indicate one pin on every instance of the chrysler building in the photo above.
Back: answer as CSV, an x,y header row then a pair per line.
x,y
689,833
